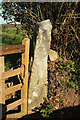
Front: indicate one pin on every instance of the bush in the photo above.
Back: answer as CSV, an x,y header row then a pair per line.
x,y
10,37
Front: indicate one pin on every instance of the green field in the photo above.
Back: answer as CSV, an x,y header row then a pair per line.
x,y
12,35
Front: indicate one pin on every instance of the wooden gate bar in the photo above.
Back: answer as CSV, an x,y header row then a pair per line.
x,y
12,89
15,115
6,50
14,104
11,73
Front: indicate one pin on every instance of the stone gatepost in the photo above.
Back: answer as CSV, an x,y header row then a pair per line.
x,y
38,80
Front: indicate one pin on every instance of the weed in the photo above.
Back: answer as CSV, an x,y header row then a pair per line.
x,y
47,111
68,67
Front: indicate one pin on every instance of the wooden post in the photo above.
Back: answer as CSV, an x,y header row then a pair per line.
x,y
24,90
2,87
3,81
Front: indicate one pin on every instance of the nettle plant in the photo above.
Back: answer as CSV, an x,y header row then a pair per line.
x,y
68,69
45,112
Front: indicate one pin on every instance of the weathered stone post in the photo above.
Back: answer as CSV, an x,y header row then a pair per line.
x,y
38,80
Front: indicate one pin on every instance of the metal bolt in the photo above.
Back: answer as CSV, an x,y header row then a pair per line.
x,y
2,51
24,101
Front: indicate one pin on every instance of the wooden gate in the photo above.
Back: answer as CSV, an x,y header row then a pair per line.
x,y
23,71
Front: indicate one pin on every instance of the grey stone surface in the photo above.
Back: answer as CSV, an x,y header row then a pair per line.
x,y
53,55
38,80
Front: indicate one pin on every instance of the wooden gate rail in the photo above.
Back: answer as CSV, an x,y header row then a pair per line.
x,y
11,89
6,50
24,49
12,73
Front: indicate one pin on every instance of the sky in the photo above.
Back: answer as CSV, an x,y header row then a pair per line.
x,y
1,19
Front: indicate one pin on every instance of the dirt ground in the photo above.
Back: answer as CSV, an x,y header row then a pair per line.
x,y
59,95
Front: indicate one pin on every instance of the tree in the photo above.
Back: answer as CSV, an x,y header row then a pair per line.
x,y
64,18
28,13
